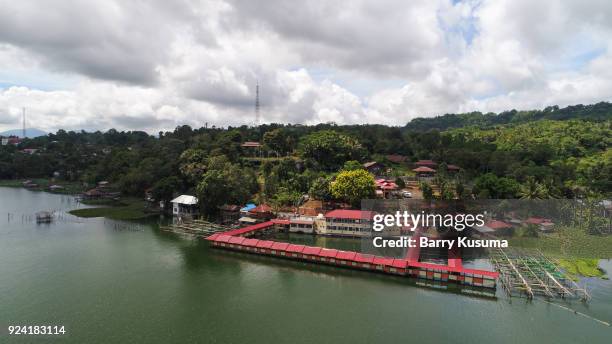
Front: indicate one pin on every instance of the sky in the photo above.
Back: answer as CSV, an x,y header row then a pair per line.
x,y
154,65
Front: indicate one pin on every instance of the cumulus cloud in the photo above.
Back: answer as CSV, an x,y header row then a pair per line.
x,y
155,65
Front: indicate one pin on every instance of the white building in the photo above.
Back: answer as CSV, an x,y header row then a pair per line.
x,y
184,205
302,224
343,222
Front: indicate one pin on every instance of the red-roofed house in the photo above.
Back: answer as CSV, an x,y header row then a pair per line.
x,y
384,187
261,212
396,158
344,222
426,163
545,225
251,144
453,168
495,227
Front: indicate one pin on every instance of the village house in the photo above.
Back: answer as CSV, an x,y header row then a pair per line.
x,y
262,212
453,168
373,167
252,148
343,222
426,163
94,193
230,213
11,140
424,172
245,217
311,208
495,227
544,225
302,224
185,205
397,159
385,188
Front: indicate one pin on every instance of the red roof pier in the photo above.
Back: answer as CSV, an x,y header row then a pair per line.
x,y
409,266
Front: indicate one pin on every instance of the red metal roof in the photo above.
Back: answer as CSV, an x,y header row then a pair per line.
x,y
426,163
386,184
265,243
310,250
329,253
295,248
495,224
281,246
378,260
399,263
250,242
346,255
280,221
262,208
453,167
396,158
213,237
423,169
364,258
236,240
350,214
248,229
224,238
454,260
536,220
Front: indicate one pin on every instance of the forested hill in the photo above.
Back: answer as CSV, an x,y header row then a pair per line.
x,y
594,112
539,154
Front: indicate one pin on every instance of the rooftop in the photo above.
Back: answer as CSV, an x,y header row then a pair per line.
x,y
350,214
424,169
185,199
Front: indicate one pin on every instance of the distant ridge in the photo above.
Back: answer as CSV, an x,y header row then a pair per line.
x,y
596,112
30,132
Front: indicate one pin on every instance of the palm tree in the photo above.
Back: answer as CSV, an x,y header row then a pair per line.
x,y
533,190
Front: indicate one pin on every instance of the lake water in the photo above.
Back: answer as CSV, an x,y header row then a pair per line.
x,y
117,282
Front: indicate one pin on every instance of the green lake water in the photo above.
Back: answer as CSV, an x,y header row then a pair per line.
x,y
118,282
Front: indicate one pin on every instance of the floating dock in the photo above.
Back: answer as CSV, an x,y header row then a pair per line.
x,y
241,240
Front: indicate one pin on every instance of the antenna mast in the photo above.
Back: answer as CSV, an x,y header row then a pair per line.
x,y
257,104
24,123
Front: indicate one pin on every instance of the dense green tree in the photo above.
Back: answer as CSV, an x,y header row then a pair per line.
x,y
193,164
353,186
165,188
328,150
320,189
491,186
426,190
278,141
352,165
225,183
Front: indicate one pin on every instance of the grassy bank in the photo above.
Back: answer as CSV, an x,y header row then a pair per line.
x,y
582,267
69,188
578,253
125,209
569,243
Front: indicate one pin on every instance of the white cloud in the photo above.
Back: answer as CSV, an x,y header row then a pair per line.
x,y
156,65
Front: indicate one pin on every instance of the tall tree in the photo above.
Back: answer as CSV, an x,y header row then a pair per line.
x,y
353,186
